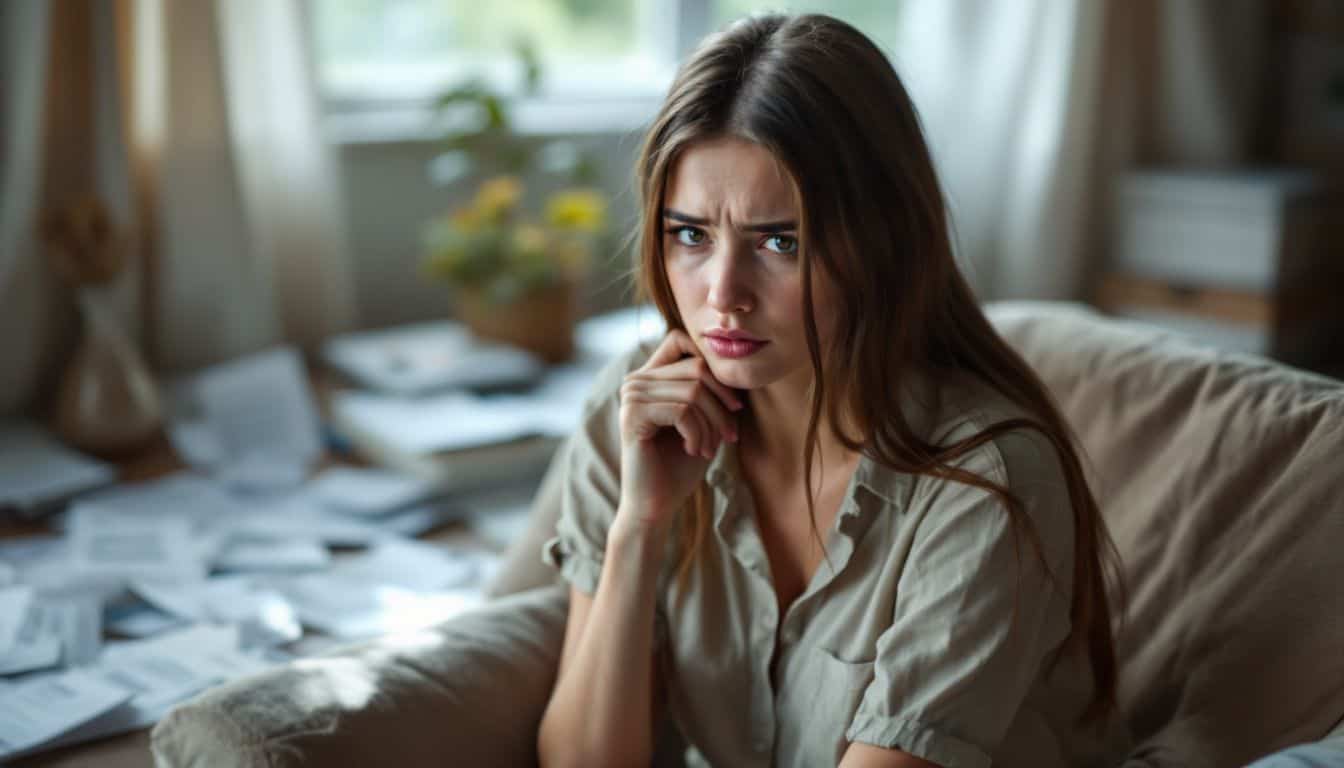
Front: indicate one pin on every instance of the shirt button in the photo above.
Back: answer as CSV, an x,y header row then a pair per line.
x,y
790,635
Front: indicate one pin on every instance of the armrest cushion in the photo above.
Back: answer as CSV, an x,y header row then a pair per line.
x,y
469,692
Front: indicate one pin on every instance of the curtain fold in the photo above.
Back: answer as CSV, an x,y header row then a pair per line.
x,y
196,123
1032,108
29,299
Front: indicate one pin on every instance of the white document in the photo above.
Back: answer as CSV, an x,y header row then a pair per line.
x,y
38,644
262,615
182,496
56,629
347,608
420,519
36,469
260,409
157,674
38,710
398,586
242,554
414,565
123,547
602,337
15,602
297,516
460,421
140,620
367,491
415,359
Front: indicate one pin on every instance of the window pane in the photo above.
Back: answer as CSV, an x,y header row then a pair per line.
x,y
400,47
875,19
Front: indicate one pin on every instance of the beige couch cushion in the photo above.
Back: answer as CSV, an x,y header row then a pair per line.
x,y
1222,480
470,692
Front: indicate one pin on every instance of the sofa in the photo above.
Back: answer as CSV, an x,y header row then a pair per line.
x,y
1221,478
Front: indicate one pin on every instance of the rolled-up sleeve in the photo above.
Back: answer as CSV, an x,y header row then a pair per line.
x,y
976,615
588,502
591,474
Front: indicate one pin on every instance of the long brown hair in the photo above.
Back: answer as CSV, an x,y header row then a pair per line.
x,y
824,100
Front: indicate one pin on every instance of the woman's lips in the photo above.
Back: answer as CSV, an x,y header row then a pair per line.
x,y
734,348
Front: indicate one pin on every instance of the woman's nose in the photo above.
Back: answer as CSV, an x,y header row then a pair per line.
x,y
729,289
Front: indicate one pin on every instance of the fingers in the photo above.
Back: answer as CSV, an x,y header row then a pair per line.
x,y
720,422
696,368
677,357
675,388
696,436
675,345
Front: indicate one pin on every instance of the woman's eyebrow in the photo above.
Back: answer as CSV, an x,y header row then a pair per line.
x,y
765,226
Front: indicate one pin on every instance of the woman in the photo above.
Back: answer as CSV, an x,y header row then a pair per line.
x,y
831,518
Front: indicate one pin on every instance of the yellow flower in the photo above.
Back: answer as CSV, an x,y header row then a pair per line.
x,y
529,239
580,209
497,196
465,219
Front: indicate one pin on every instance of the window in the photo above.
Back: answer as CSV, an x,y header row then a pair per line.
x,y
380,60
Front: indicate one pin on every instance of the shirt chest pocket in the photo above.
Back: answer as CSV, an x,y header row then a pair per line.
x,y
823,705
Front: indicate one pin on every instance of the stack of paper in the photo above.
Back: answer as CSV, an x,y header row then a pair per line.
x,y
36,471
417,359
131,685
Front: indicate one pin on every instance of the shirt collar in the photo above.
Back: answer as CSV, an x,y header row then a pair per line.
x,y
920,403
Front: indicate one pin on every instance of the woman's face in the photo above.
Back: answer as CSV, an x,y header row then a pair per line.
x,y
730,245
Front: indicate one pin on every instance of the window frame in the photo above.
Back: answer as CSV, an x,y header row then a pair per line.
x,y
564,106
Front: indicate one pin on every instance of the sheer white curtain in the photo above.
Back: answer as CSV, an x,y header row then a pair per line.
x,y
252,246
26,302
197,125
1032,106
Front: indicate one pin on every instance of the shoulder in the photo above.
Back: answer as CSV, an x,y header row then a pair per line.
x,y
1019,457
1023,460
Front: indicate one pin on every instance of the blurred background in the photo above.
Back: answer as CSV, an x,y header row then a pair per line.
x,y
271,171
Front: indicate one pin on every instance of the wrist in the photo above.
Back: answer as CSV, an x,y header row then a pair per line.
x,y
639,525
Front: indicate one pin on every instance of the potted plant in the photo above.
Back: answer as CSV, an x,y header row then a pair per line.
x,y
514,272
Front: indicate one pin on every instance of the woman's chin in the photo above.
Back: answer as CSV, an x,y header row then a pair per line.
x,y
735,373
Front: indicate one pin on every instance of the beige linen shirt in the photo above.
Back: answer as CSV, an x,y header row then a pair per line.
x,y
906,639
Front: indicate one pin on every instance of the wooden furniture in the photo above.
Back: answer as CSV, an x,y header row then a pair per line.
x,y
1246,261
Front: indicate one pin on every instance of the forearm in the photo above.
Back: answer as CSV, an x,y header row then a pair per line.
x,y
600,712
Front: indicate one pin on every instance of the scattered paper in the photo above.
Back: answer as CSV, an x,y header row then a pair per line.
x,y
261,411
415,359
353,609
360,491
459,421
418,520
397,586
263,615
122,547
36,469
602,337
138,619
187,496
38,710
413,565
55,629
273,555
15,603
297,516
156,675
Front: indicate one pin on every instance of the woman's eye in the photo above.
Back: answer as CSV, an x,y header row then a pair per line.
x,y
784,244
688,235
